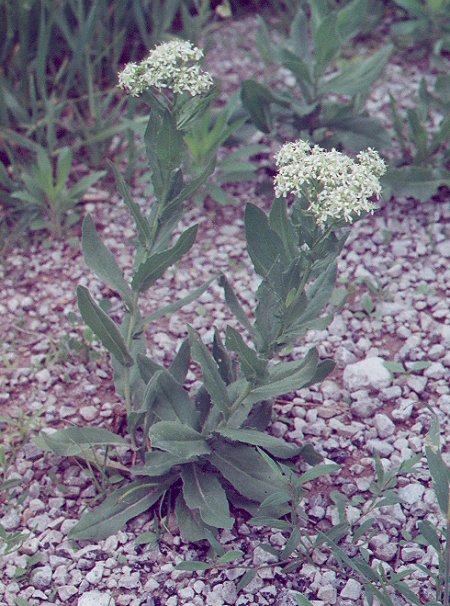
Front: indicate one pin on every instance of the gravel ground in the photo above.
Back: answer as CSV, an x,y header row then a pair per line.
x,y
403,250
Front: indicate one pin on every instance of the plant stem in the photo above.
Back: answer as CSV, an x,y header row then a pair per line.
x,y
134,312
447,558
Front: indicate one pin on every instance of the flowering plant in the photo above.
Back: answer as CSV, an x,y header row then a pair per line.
x,y
211,448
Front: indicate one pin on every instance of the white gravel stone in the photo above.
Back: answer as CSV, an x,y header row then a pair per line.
x,y
370,372
380,447
443,248
41,577
351,590
411,493
65,592
327,594
89,413
417,383
436,371
96,598
95,575
384,426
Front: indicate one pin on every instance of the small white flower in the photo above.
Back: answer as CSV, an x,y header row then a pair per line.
x,y
172,65
338,187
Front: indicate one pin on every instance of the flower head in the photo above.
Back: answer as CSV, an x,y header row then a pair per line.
x,y
339,188
172,65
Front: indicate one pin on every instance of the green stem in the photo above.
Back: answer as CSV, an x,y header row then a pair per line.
x,y
447,557
240,399
134,312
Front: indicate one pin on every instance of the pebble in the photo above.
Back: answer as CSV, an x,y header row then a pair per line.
x,y
351,590
370,372
411,493
95,575
41,578
89,413
65,592
11,520
436,371
96,598
384,426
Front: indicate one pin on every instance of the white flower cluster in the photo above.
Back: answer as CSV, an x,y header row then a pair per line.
x,y
172,65
338,187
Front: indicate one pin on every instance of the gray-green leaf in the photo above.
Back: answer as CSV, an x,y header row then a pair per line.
x,y
102,261
203,491
102,326
74,441
178,439
122,505
154,267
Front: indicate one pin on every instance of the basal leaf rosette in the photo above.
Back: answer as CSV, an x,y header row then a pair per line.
x,y
172,66
337,188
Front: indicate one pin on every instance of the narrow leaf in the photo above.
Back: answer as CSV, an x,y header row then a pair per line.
x,y
173,307
203,491
122,505
178,439
276,446
246,470
264,246
253,367
213,382
74,441
142,226
102,326
102,262
154,267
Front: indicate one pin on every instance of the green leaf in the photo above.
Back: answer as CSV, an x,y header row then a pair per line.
x,y
318,472
180,364
142,225
173,307
302,601
326,44
276,446
279,222
246,470
102,326
253,367
256,99
146,538
213,382
192,527
74,441
357,79
122,505
440,474
264,246
355,132
428,531
178,439
230,556
296,376
203,491
157,463
246,578
154,267
415,182
102,262
168,400
223,359
234,305
193,565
